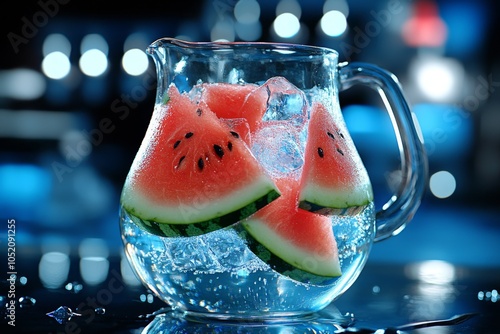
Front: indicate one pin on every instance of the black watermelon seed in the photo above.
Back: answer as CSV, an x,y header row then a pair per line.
x,y
320,152
340,134
199,111
177,143
230,146
340,151
188,135
218,150
330,135
201,164
235,134
180,161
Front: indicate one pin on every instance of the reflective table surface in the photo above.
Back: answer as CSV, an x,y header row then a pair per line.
x,y
385,299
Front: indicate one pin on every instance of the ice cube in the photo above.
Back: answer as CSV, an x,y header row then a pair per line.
x,y
192,254
279,147
285,102
229,249
196,92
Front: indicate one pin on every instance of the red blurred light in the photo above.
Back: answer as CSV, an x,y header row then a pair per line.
x,y
425,27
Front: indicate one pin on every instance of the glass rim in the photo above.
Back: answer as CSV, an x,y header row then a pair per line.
x,y
280,47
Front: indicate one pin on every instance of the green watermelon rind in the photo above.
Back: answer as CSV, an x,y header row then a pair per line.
x,y
279,265
322,200
293,257
199,228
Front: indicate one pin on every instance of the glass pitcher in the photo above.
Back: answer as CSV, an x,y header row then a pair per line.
x,y
247,198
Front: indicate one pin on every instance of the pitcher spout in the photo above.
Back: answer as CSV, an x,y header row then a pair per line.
x,y
166,53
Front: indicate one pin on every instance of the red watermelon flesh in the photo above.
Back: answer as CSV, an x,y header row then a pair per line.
x,y
333,176
192,168
235,101
299,237
241,127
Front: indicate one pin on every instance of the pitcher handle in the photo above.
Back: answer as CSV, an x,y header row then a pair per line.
x,y
400,208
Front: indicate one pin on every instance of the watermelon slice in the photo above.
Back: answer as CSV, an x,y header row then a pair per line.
x,y
193,173
301,238
334,179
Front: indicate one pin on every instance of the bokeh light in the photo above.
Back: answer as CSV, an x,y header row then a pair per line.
x,y
289,6
94,41
56,65
93,62
333,23
247,11
53,269
94,58
442,184
286,25
339,5
248,31
135,62
223,31
437,78
22,84
56,42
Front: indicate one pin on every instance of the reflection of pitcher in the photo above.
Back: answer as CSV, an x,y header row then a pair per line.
x,y
247,198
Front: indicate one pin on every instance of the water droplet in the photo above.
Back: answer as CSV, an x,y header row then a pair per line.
x,y
350,316
23,280
3,302
100,310
26,301
74,287
62,315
